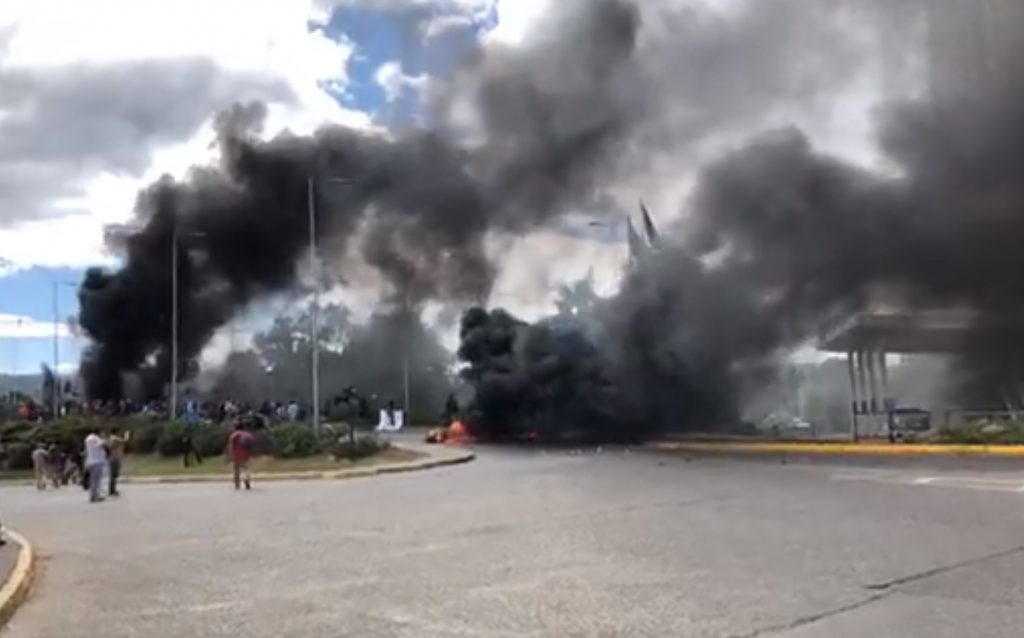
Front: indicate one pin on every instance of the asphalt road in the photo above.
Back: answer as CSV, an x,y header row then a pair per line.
x,y
522,543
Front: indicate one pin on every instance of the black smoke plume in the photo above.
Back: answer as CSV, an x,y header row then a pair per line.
x,y
417,207
779,235
777,232
515,137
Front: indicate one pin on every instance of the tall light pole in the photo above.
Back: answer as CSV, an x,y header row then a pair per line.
x,y
55,395
172,404
314,318
314,328
20,322
405,387
56,345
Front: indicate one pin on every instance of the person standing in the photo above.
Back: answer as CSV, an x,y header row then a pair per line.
x,y
95,462
115,450
39,466
189,443
55,464
240,445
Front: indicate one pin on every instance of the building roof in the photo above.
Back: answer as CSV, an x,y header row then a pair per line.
x,y
909,332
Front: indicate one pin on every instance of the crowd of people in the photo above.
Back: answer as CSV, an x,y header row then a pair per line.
x,y
28,409
101,457
97,466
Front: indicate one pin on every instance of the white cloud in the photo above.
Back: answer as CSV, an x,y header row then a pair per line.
x,y
267,39
253,35
394,81
234,337
515,19
475,8
22,327
441,24
534,266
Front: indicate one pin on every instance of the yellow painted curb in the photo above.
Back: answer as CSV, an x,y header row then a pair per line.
x,y
863,449
314,475
14,591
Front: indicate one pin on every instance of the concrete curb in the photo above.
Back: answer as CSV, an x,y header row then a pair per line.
x,y
462,456
844,449
15,590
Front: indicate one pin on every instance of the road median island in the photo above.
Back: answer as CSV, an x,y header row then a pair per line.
x,y
839,449
19,580
429,460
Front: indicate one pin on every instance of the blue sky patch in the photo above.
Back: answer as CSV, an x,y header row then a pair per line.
x,y
380,36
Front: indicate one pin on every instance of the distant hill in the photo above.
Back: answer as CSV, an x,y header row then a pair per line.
x,y
30,384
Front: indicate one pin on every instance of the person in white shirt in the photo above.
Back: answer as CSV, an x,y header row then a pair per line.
x,y
95,462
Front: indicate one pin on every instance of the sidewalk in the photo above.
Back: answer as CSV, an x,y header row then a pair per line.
x,y
8,559
833,448
434,456
17,562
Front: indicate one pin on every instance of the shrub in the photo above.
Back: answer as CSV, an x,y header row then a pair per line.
x,y
171,441
293,442
145,437
263,444
19,456
1013,435
15,430
361,448
984,434
211,440
67,435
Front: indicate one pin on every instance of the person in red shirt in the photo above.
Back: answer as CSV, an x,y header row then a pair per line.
x,y
240,445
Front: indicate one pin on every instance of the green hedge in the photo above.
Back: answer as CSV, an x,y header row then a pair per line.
x,y
1011,433
144,438
19,456
361,448
293,441
148,437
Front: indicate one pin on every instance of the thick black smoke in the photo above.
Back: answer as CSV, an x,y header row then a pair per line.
x,y
376,358
418,206
779,236
514,137
778,233
547,380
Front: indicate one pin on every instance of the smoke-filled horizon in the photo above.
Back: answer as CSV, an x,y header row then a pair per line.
x,y
777,232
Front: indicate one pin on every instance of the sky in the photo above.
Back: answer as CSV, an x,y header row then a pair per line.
x,y
88,116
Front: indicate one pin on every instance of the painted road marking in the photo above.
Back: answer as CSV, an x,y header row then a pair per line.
x,y
957,481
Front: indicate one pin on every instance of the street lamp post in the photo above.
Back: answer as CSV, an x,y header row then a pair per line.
x,y
172,404
314,321
314,328
56,346
55,396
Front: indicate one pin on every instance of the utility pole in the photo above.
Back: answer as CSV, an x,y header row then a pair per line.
x,y
314,315
172,405
19,323
314,328
405,386
55,398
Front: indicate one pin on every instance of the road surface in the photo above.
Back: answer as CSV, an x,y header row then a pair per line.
x,y
522,543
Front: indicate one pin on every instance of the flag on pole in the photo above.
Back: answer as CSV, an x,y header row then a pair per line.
x,y
637,248
653,237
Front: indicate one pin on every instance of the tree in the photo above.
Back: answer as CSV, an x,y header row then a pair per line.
x,y
372,358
